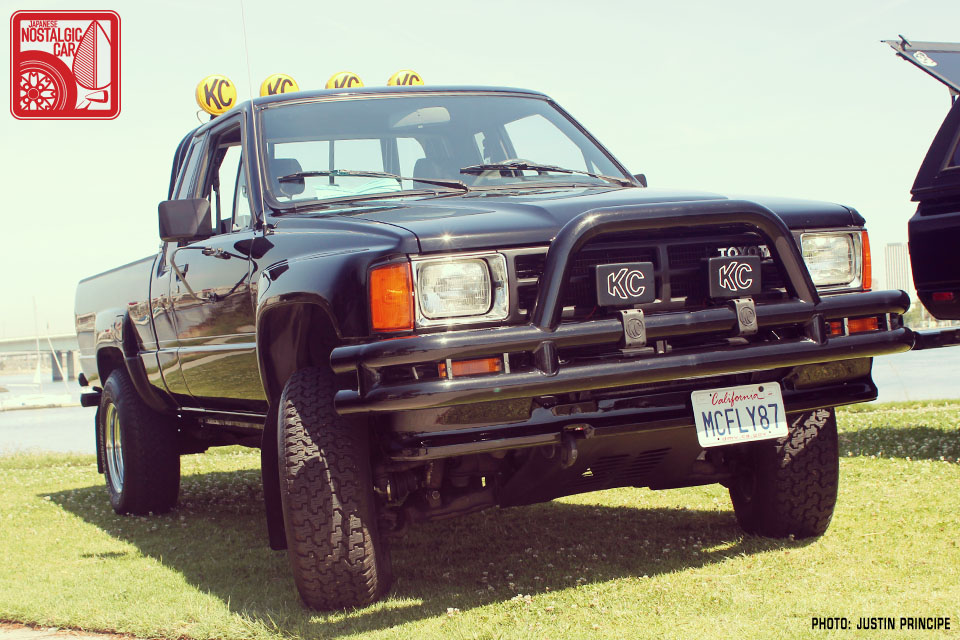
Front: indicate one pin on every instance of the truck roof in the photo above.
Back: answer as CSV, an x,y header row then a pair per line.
x,y
296,96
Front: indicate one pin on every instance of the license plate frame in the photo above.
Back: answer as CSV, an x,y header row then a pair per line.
x,y
739,414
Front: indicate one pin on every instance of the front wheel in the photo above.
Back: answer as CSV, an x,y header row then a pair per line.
x,y
338,557
138,448
789,486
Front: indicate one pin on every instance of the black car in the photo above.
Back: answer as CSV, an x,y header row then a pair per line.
x,y
420,302
935,227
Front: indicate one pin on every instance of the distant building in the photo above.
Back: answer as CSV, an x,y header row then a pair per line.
x,y
898,273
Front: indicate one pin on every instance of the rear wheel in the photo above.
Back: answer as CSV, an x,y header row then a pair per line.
x,y
138,449
338,557
789,486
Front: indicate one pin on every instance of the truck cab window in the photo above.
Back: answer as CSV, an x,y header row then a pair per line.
x,y
241,201
221,178
535,138
409,150
189,170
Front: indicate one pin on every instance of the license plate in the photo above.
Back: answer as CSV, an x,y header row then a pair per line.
x,y
739,414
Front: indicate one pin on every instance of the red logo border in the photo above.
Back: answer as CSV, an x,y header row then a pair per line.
x,y
75,15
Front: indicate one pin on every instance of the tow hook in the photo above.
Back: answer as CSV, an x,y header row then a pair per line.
x,y
568,443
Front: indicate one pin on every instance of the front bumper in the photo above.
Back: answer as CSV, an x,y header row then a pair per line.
x,y
552,377
803,315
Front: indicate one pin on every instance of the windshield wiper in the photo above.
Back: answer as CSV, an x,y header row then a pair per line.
x,y
300,175
520,165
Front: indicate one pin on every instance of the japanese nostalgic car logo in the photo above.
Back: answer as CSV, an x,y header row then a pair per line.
x,y
64,65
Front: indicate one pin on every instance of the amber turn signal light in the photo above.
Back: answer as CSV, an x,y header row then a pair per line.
x,y
859,325
835,327
471,367
867,272
391,297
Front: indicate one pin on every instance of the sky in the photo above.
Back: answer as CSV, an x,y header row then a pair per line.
x,y
773,98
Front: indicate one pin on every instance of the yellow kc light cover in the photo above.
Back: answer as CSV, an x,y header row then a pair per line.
x,y
405,77
344,80
216,94
278,83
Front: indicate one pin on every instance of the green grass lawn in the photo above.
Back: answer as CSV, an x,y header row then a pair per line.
x,y
623,563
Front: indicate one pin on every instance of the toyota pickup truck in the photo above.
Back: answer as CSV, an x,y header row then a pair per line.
x,y
420,302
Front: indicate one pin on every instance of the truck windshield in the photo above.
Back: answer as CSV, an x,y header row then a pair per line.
x,y
334,150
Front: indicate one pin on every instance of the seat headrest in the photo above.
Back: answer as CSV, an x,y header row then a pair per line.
x,y
425,168
280,167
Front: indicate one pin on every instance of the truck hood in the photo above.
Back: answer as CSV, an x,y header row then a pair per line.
x,y
484,220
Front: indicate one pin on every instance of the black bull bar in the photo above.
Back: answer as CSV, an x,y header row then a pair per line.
x,y
544,334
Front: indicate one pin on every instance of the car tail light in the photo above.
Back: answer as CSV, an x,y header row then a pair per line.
x,y
943,296
391,297
471,367
866,276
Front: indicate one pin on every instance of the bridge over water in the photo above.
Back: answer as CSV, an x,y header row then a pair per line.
x,y
62,349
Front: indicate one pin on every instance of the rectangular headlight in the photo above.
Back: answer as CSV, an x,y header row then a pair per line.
x,y
468,289
833,258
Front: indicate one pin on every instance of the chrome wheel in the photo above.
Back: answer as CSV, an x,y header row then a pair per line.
x,y
113,446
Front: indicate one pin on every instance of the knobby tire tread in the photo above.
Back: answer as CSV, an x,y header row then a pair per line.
x,y
338,558
796,480
151,458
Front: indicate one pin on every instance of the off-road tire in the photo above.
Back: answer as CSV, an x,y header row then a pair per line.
x,y
150,479
338,557
789,486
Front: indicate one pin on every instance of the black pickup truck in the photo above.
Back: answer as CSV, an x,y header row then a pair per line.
x,y
420,302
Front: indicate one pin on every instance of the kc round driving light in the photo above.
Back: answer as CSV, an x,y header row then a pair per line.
x,y
833,259
454,289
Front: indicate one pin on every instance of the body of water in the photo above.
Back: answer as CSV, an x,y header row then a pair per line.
x,y
916,375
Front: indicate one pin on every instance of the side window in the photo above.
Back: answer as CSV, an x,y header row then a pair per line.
x,y
490,147
312,155
220,175
364,155
954,160
356,154
536,136
189,171
223,205
409,150
241,201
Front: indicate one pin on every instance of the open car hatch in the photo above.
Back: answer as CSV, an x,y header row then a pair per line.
x,y
934,230
939,59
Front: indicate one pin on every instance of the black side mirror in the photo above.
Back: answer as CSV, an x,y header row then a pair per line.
x,y
641,178
184,220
